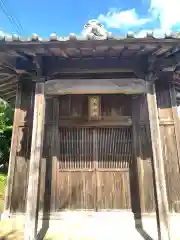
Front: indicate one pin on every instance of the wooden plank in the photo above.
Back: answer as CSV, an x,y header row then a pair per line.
x,y
171,166
35,162
12,158
176,120
114,190
21,171
158,163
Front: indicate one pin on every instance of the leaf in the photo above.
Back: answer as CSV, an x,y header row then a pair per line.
x,y
6,121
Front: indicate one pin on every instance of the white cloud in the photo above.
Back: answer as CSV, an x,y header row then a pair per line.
x,y
166,12
3,34
117,19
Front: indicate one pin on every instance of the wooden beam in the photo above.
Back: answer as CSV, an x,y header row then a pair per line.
x,y
7,85
95,86
158,163
76,71
52,65
161,63
35,45
35,164
6,80
9,94
12,157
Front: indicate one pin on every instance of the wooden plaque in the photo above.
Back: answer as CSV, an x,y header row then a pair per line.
x,y
94,107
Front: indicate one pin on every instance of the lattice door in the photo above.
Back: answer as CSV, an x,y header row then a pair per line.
x,y
76,148
95,165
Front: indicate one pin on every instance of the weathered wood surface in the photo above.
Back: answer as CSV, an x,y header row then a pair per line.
x,y
95,86
176,121
69,113
167,112
137,163
35,164
158,163
145,158
12,158
22,151
76,166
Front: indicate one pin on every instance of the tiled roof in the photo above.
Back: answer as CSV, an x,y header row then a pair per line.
x,y
72,36
94,41
92,30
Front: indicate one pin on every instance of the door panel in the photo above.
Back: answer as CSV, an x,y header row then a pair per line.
x,y
114,147
94,168
76,148
76,190
76,178
113,190
114,157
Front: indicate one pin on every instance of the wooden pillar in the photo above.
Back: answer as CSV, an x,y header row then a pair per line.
x,y
137,165
158,163
175,119
32,206
12,157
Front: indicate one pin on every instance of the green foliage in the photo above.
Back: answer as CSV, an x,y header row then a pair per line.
x,y
6,121
2,190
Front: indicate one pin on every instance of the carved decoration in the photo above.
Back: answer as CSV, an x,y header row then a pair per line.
x,y
95,30
94,107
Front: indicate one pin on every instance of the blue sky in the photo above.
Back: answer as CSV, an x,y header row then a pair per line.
x,y
69,16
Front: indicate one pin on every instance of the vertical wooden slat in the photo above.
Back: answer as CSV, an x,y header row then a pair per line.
x,y
12,157
35,162
95,162
158,163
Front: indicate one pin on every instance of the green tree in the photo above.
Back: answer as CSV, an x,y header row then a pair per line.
x,y
6,121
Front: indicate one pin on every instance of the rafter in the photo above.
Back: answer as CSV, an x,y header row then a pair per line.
x,y
5,81
163,63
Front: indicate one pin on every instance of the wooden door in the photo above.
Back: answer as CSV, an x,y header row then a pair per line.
x,y
114,148
94,167
77,180
94,156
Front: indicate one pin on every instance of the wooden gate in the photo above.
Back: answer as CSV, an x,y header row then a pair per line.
x,y
94,167
94,156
